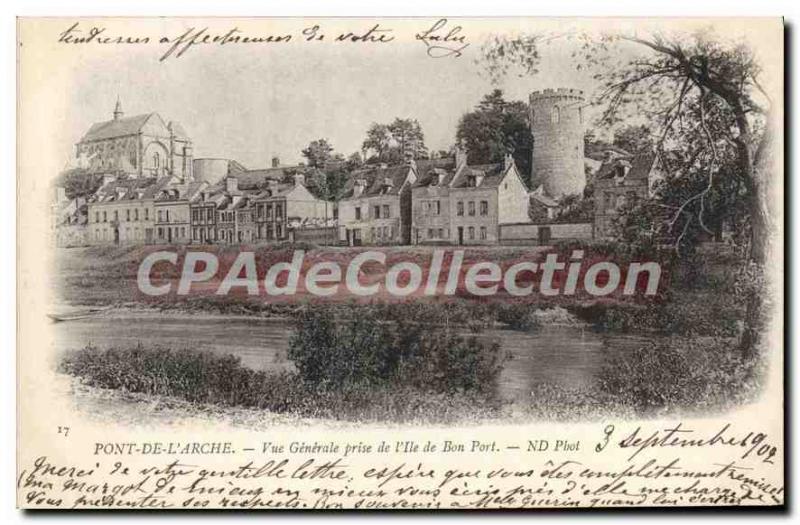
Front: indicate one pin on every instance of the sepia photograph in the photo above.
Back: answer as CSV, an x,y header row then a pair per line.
x,y
400,263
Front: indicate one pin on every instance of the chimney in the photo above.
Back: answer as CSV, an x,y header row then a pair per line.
x,y
231,184
359,187
299,179
461,157
508,161
276,162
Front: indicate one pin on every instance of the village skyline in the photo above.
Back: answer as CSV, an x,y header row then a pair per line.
x,y
254,126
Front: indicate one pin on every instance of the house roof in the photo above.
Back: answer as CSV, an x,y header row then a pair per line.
x,y
376,178
116,128
492,175
543,199
597,150
640,166
129,189
428,172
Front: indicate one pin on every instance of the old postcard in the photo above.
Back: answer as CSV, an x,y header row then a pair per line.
x,y
401,263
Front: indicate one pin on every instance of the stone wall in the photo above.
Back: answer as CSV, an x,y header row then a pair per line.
x,y
527,233
558,131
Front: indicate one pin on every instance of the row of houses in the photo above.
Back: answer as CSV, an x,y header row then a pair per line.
x,y
442,201
174,211
154,192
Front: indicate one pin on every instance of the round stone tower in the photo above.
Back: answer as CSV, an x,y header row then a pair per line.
x,y
557,127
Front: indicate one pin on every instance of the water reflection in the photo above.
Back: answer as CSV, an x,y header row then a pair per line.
x,y
566,355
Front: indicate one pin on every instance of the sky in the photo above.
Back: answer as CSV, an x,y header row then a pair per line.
x,y
253,105
252,102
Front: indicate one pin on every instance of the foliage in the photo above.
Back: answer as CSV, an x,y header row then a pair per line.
x,y
518,316
395,142
634,138
204,377
670,377
678,373
339,347
318,153
496,127
576,208
79,182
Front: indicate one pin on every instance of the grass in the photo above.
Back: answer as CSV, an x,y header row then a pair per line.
x,y
672,376
203,377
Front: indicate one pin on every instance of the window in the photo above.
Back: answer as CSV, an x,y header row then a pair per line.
x,y
156,160
483,233
160,216
105,218
128,215
97,216
278,211
183,232
438,207
386,213
460,208
136,214
147,214
471,233
430,233
358,214
484,208
441,233
116,215
555,116
210,214
377,212
269,211
167,212
471,208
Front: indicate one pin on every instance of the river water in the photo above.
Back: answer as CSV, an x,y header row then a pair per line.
x,y
570,356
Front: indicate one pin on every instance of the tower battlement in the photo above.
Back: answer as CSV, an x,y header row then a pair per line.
x,y
557,93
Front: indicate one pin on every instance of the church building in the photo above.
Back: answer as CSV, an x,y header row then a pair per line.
x,y
137,146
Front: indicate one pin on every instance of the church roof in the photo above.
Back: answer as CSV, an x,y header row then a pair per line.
x,y
177,130
116,128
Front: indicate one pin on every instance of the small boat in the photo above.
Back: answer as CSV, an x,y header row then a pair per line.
x,y
77,314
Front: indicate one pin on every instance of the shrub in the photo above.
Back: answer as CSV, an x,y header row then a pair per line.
x,y
205,377
678,373
345,346
518,316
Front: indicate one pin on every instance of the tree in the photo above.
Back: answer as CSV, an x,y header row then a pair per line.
x,y
378,141
408,138
395,142
318,153
634,139
703,99
494,128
